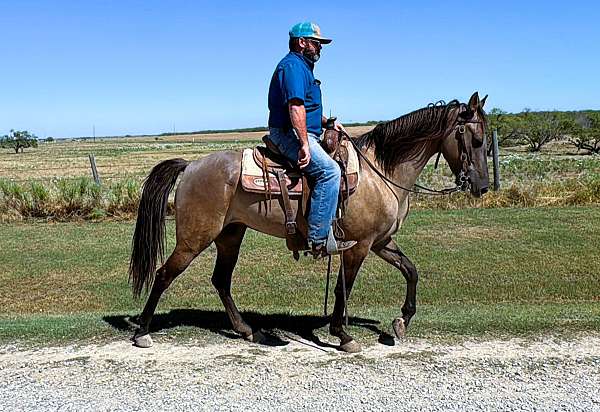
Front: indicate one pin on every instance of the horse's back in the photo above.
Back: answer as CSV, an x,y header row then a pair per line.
x,y
215,168
205,192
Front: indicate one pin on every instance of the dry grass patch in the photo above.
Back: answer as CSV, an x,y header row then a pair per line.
x,y
51,293
119,156
460,233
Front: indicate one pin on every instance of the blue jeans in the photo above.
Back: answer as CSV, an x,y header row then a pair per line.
x,y
325,174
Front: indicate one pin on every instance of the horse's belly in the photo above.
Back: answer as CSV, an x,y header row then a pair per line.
x,y
258,213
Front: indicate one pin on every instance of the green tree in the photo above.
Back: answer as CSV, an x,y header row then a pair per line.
x,y
585,133
506,125
18,140
539,128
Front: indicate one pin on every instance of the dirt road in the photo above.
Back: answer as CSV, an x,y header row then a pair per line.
x,y
540,374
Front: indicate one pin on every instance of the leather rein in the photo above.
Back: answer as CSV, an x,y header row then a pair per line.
x,y
462,180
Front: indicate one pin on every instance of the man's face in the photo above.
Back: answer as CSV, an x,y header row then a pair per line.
x,y
312,49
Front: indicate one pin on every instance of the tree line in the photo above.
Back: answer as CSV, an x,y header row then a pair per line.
x,y
536,129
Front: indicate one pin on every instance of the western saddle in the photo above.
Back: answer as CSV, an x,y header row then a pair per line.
x,y
270,173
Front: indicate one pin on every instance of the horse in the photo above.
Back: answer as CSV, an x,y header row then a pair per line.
x,y
210,206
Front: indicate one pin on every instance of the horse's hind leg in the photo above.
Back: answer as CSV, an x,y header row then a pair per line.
x,y
179,260
228,247
394,256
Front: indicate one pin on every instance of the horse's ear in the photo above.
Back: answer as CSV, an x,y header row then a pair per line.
x,y
483,101
474,102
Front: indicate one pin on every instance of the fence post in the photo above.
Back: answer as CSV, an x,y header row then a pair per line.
x,y
94,169
495,152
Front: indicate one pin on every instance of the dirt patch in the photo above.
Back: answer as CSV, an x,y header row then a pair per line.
x,y
516,374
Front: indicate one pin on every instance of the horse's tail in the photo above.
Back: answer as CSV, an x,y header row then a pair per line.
x,y
149,237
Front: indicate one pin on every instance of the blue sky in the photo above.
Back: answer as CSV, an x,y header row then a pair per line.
x,y
131,67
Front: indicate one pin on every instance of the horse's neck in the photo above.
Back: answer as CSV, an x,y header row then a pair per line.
x,y
407,173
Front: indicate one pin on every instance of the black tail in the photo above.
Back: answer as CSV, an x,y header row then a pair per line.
x,y
149,237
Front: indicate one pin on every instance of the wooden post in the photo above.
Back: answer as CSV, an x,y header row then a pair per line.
x,y
94,169
495,152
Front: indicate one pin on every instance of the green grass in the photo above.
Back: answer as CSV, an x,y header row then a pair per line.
x,y
483,272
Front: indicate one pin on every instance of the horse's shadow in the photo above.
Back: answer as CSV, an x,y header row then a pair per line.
x,y
274,326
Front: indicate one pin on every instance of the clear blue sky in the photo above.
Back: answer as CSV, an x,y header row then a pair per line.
x,y
131,67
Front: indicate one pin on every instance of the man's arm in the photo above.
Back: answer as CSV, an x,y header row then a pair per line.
x,y
298,119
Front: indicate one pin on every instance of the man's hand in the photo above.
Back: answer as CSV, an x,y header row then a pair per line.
x,y
298,119
336,125
339,127
303,156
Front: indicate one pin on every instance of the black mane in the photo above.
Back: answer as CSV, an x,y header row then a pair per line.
x,y
405,138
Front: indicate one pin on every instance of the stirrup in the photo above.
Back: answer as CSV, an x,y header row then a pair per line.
x,y
335,247
330,247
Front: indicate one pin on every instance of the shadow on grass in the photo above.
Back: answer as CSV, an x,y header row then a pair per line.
x,y
217,322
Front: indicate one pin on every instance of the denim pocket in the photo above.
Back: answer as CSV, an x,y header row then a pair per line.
x,y
287,143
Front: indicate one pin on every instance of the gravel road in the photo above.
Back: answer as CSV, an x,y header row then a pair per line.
x,y
539,374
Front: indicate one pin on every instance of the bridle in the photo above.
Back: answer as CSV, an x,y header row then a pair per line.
x,y
463,182
466,158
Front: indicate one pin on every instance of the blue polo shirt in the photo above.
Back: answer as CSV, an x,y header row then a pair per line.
x,y
294,79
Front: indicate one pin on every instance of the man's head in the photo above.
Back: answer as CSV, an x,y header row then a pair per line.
x,y
305,38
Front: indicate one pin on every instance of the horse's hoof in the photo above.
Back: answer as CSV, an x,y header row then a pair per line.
x,y
351,347
386,339
399,327
256,337
144,341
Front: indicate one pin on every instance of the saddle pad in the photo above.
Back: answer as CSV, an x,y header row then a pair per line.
x,y
253,180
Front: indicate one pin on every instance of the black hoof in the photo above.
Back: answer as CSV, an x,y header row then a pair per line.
x,y
386,339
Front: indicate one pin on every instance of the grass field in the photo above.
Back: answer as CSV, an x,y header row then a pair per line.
x,y
53,181
483,272
118,158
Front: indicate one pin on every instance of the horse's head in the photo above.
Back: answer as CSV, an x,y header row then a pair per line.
x,y
465,147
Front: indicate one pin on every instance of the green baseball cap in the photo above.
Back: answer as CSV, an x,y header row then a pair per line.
x,y
310,30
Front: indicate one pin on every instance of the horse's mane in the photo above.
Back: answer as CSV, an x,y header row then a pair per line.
x,y
405,138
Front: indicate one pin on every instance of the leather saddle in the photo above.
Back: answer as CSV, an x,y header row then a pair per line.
x,y
270,173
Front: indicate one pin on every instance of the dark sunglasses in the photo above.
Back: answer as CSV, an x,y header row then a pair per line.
x,y
315,43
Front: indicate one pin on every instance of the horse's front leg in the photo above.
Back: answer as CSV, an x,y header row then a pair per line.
x,y
394,256
353,259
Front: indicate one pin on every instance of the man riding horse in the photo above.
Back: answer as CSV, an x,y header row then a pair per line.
x,y
295,124
212,207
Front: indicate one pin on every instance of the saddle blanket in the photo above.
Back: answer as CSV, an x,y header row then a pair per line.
x,y
253,180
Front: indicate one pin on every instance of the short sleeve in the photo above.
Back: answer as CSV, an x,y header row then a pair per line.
x,y
293,83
